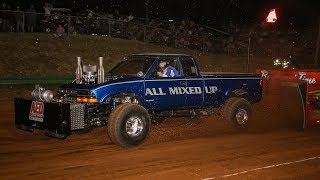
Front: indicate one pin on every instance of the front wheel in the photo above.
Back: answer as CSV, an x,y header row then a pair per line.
x,y
128,125
238,112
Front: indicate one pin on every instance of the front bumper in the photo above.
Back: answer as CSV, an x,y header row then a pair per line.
x,y
55,118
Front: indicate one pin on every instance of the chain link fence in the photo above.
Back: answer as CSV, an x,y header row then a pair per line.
x,y
172,34
266,41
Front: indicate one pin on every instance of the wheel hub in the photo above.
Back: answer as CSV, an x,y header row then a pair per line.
x,y
242,117
134,126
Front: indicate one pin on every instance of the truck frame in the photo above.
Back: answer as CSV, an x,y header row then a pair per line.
x,y
131,95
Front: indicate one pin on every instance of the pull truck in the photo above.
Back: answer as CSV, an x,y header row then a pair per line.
x,y
131,95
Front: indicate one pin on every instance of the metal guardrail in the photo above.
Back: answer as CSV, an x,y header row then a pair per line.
x,y
35,80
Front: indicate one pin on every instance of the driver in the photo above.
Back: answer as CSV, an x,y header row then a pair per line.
x,y
166,70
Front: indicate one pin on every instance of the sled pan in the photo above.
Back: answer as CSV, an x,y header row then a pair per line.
x,y
292,103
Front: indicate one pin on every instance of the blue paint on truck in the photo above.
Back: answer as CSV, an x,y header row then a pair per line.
x,y
183,92
135,93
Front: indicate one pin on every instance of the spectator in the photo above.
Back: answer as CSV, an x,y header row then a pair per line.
x,y
31,18
129,18
11,20
60,31
19,20
1,14
1,20
47,9
5,19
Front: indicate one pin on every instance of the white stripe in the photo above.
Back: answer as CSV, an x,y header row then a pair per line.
x,y
261,168
196,79
128,82
229,78
169,79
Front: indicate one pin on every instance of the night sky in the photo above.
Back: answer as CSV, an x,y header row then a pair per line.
x,y
210,12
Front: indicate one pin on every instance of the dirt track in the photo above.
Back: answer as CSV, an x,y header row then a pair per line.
x,y
177,148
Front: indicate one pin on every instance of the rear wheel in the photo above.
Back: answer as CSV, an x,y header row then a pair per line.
x,y
238,112
128,125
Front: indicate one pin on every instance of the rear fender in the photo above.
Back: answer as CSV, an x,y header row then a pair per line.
x,y
238,93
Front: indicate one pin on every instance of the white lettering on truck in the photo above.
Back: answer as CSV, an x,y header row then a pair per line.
x,y
154,92
211,89
181,91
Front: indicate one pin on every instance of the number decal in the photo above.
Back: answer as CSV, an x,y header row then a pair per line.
x,y
36,111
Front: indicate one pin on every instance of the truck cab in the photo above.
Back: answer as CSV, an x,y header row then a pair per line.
x,y
174,92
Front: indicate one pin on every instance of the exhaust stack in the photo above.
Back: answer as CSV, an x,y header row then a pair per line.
x,y
100,71
79,71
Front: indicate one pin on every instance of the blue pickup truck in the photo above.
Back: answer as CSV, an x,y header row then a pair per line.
x,y
137,91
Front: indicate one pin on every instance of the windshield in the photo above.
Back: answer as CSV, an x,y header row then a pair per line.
x,y
133,65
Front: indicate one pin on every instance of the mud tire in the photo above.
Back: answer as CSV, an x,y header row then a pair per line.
x,y
117,125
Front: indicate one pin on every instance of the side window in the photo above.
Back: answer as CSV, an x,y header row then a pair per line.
x,y
189,67
167,67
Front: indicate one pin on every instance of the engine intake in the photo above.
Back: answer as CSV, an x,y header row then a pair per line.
x,y
42,94
90,74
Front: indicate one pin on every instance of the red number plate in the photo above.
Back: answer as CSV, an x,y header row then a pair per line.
x,y
36,111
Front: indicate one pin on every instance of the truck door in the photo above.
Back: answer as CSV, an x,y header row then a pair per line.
x,y
165,93
195,84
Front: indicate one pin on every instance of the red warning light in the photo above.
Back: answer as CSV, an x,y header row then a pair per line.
x,y
272,16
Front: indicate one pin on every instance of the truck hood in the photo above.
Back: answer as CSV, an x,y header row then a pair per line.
x,y
98,86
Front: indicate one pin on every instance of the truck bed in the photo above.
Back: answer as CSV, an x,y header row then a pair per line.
x,y
226,73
